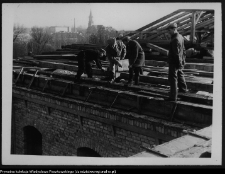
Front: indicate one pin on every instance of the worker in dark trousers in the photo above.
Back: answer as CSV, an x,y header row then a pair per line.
x,y
136,57
85,58
176,61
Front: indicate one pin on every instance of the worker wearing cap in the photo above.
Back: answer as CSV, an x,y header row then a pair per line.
x,y
115,51
85,58
176,61
136,57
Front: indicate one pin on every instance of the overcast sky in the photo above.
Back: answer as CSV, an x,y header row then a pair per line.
x,y
121,16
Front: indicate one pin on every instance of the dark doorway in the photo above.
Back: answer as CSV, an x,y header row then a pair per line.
x,y
32,141
84,151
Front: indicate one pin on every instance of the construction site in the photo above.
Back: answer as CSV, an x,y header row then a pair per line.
x,y
53,115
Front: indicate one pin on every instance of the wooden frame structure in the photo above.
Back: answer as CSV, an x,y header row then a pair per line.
x,y
196,25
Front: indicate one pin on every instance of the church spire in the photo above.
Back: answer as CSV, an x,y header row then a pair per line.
x,y
90,23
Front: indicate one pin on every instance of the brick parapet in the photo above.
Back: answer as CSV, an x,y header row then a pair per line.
x,y
62,122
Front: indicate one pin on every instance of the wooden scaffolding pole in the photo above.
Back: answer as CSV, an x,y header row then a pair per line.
x,y
192,36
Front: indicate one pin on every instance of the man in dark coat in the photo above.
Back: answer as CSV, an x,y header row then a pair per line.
x,y
85,58
176,61
136,57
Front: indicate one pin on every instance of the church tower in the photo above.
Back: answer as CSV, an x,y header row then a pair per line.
x,y
90,23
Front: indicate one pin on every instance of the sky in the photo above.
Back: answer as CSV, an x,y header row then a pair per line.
x,y
121,16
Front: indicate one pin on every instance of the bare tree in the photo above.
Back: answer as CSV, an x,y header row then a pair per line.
x,y
40,37
17,30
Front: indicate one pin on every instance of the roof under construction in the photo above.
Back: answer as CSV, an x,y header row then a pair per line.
x,y
196,25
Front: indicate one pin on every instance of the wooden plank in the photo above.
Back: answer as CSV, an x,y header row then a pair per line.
x,y
184,25
198,17
180,26
194,10
166,17
200,25
155,22
194,85
188,23
125,64
159,49
193,23
159,20
204,18
168,21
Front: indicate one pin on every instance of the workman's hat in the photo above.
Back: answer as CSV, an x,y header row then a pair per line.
x,y
171,26
126,38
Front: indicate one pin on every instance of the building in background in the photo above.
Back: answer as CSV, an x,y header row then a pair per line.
x,y
55,29
98,34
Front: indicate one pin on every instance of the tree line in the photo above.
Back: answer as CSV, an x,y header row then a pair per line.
x,y
39,39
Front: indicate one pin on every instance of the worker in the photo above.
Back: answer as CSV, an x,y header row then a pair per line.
x,y
85,58
115,51
136,57
176,61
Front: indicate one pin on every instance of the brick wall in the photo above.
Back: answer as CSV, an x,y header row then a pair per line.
x,y
67,125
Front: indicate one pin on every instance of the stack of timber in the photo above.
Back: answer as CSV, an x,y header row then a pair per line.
x,y
73,49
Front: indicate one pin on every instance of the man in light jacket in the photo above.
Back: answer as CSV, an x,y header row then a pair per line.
x,y
136,57
115,51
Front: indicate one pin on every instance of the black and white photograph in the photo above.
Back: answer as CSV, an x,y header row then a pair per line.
x,y
111,84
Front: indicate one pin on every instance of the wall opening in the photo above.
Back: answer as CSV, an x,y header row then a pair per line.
x,y
85,151
32,141
205,155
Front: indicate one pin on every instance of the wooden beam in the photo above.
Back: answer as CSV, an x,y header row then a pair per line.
x,y
157,48
205,17
181,26
198,17
200,25
193,23
155,22
159,20
164,31
170,15
194,10
168,21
